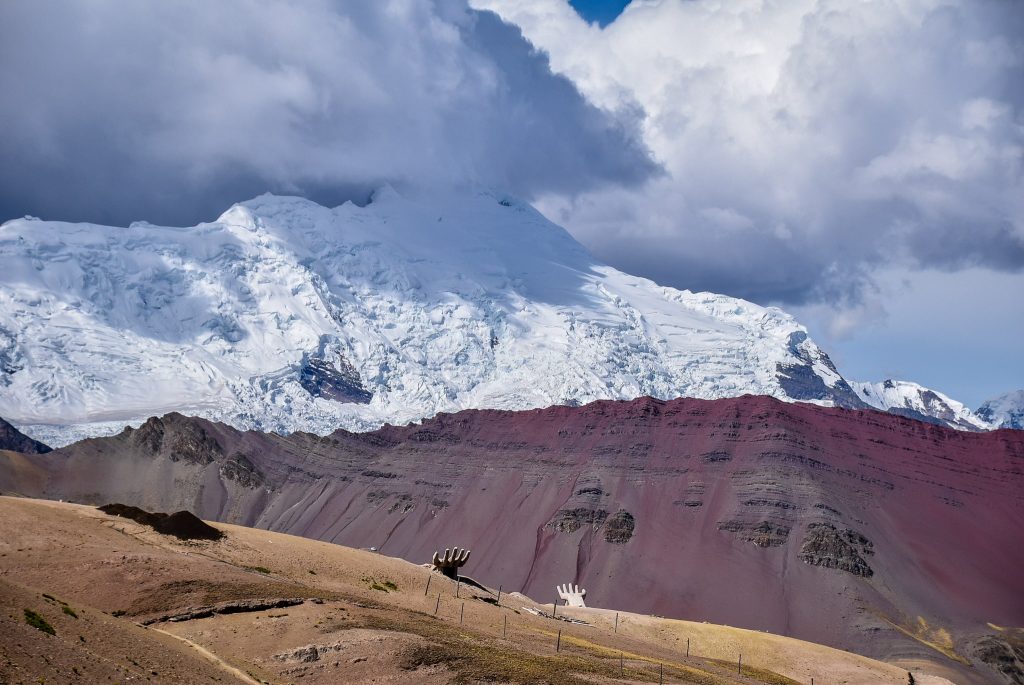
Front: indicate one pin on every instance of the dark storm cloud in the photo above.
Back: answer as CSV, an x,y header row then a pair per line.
x,y
114,111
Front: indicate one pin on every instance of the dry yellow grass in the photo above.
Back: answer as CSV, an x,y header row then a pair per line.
x,y
370,620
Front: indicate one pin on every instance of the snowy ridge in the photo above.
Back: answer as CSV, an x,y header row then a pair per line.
x,y
285,315
1005,411
916,401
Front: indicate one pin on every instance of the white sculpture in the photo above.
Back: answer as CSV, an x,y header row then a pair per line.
x,y
572,594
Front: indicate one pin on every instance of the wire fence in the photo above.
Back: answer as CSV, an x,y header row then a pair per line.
x,y
525,632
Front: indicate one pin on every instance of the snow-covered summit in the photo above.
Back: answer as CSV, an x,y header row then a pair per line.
x,y
1005,411
919,402
286,315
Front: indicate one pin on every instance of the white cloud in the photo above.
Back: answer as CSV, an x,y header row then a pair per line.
x,y
807,143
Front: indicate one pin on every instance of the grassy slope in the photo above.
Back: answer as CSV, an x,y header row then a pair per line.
x,y
373,619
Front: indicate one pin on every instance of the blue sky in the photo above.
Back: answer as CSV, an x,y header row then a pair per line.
x,y
603,12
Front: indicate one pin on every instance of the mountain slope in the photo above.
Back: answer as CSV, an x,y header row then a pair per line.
x,y
918,402
367,619
859,529
285,315
15,441
1005,411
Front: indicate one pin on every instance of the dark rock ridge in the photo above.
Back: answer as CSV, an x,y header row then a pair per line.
x,y
238,606
801,382
338,381
571,520
14,440
762,534
619,529
821,523
181,524
1004,653
825,545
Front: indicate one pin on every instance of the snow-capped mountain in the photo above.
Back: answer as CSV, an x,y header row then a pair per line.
x,y
285,315
913,400
1005,411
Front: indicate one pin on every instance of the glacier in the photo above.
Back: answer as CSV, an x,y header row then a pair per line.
x,y
284,315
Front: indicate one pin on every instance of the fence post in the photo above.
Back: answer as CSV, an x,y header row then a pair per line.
x,y
621,668
462,613
504,629
428,585
739,665
554,609
458,584
438,604
616,622
661,674
558,643
688,650
499,594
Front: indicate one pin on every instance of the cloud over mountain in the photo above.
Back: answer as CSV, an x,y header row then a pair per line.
x,y
806,143
116,111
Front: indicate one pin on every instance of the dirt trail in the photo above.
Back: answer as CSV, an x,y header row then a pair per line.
x,y
214,659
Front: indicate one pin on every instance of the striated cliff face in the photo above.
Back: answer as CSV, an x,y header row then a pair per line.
x,y
854,528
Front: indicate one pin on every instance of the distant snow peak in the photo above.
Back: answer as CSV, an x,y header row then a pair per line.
x,y
285,315
1004,411
916,401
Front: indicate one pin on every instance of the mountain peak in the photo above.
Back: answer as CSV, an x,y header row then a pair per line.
x,y
1004,411
287,315
916,401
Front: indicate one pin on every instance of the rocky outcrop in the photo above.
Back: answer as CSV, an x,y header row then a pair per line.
x,y
825,545
14,440
805,379
175,437
1004,654
761,534
191,443
240,469
310,653
571,520
338,380
240,606
619,529
183,525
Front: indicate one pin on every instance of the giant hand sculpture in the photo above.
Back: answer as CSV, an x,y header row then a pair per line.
x,y
449,563
572,594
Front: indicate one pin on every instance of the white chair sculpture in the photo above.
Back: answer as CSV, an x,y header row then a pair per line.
x,y
572,594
